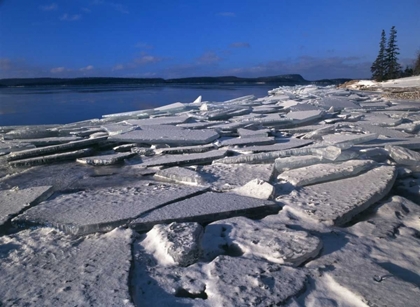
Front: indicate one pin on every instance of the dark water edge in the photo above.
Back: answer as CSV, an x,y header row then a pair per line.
x,y
65,104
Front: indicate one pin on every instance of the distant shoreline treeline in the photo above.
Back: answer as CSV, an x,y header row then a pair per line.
x,y
293,79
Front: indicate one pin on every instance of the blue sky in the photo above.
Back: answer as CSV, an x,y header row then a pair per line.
x,y
179,38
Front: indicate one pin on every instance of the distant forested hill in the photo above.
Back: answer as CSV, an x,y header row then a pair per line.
x,y
292,79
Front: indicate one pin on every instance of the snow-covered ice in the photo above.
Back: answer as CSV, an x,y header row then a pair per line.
x,y
313,200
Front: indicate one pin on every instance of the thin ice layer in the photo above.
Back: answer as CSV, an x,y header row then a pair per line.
x,y
101,210
336,202
318,173
71,155
203,208
44,267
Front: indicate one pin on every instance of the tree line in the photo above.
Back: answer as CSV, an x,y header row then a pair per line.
x,y
386,65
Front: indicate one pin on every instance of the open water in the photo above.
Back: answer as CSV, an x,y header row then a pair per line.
x,y
66,104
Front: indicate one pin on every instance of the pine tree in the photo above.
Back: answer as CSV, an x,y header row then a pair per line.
x,y
378,67
392,68
416,69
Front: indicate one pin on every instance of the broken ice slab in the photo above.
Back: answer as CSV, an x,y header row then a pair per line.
x,y
345,141
223,177
256,188
118,128
10,146
180,241
337,103
124,147
224,114
413,127
187,159
272,120
185,149
283,144
259,282
289,163
229,126
391,133
43,266
71,155
374,105
164,120
31,132
411,143
274,241
246,133
105,159
198,125
329,153
15,200
51,140
266,109
248,141
172,108
301,117
87,132
239,100
54,148
101,210
180,175
404,156
205,208
166,134
318,173
143,151
336,202
318,133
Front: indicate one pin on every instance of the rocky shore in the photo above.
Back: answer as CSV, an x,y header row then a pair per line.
x,y
309,196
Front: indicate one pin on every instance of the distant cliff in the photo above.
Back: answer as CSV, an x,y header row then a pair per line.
x,y
292,79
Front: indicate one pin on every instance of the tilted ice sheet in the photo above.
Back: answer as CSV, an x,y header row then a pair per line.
x,y
180,175
325,172
15,200
178,241
274,241
203,208
71,155
166,134
101,210
336,202
44,267
224,177
256,188
404,156
392,133
282,144
54,148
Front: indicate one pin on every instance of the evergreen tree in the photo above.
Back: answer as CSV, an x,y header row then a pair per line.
x,y
416,69
378,67
392,68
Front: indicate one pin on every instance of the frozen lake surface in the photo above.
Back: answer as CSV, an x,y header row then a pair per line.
x,y
64,104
